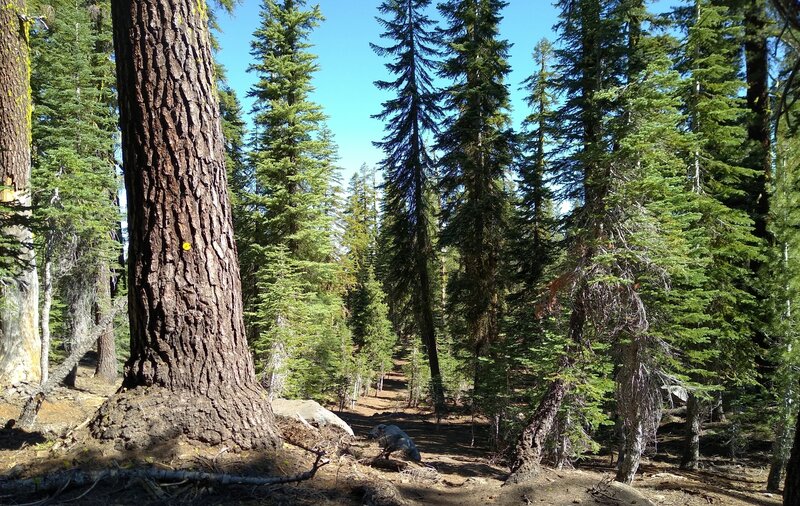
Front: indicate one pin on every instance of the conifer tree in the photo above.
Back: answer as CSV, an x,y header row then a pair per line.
x,y
784,292
534,219
714,117
74,136
625,243
582,179
368,314
476,146
409,171
286,197
532,247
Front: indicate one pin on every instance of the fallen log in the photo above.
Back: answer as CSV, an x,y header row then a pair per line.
x,y
61,480
31,409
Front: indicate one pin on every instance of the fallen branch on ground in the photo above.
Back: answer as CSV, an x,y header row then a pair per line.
x,y
28,415
384,463
59,481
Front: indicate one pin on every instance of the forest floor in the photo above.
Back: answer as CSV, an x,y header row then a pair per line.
x,y
453,471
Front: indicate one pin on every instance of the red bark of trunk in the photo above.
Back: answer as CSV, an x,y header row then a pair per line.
x,y
190,371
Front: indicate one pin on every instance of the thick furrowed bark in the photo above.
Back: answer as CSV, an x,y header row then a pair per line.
x,y
190,371
20,347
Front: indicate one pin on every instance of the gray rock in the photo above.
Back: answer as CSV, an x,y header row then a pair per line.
x,y
310,412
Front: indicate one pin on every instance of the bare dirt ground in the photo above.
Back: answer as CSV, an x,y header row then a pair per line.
x,y
454,471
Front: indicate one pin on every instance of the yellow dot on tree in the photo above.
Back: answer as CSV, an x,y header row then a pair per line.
x,y
187,246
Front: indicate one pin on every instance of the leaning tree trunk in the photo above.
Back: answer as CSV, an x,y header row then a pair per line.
x,y
20,347
190,372
530,446
106,368
694,423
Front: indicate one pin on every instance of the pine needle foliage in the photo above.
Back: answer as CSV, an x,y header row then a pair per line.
x,y
286,211
477,152
409,170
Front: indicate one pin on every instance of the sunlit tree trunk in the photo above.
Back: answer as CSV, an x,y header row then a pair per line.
x,y
20,345
190,372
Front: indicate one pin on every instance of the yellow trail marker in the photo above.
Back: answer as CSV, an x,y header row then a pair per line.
x,y
187,246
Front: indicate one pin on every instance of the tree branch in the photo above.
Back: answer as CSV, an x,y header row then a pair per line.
x,y
28,415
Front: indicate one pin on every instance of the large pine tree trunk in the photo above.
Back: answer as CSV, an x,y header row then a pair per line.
x,y
106,368
694,425
20,346
190,372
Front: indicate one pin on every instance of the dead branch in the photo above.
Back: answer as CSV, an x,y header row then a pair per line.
x,y
77,478
28,415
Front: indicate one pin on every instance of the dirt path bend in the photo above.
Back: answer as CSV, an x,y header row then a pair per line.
x,y
460,473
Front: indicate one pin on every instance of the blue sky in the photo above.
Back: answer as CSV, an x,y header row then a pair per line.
x,y
348,66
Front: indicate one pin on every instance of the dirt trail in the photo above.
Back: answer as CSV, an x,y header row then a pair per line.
x,y
453,470
466,477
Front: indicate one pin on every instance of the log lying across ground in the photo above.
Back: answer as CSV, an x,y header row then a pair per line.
x,y
61,480
28,415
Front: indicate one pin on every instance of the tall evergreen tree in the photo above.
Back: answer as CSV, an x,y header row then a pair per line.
x,y
368,314
287,207
409,170
74,136
476,146
715,119
584,180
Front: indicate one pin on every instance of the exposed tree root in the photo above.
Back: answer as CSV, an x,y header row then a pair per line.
x,y
60,481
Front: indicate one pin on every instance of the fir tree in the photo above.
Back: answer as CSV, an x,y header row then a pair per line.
x,y
409,169
74,137
714,118
368,318
476,146
286,204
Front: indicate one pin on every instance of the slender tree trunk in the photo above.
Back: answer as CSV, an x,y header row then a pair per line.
x,y
791,487
47,303
694,425
428,331
80,296
190,372
758,101
631,452
20,345
780,451
106,368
